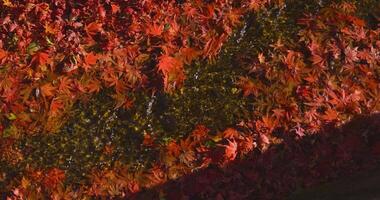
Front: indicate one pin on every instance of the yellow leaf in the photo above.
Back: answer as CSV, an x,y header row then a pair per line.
x,y
25,183
8,3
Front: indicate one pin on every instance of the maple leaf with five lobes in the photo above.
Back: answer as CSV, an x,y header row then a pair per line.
x,y
255,5
93,86
40,58
351,54
156,175
47,90
189,11
230,151
173,148
200,132
56,106
248,87
234,17
49,28
189,54
133,75
172,69
330,115
290,58
318,60
187,157
65,85
213,46
8,3
154,29
247,145
10,94
231,133
269,122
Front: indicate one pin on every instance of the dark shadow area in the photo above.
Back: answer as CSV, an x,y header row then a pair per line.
x,y
333,154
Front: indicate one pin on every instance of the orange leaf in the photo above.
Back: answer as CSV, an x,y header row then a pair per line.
x,y
172,69
54,177
154,30
91,59
93,28
40,58
173,148
47,90
93,86
261,58
3,54
189,54
269,122
200,132
148,140
115,8
230,133
65,85
358,22
248,87
330,115
56,106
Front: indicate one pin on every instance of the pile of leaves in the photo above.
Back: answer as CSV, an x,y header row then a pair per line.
x,y
282,169
331,74
54,53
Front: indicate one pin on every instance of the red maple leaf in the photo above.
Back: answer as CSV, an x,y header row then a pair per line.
x,y
189,54
40,58
231,133
330,115
200,132
172,69
248,87
148,140
173,149
156,175
230,151
154,29
65,85
91,59
190,11
93,86
56,106
53,177
93,28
